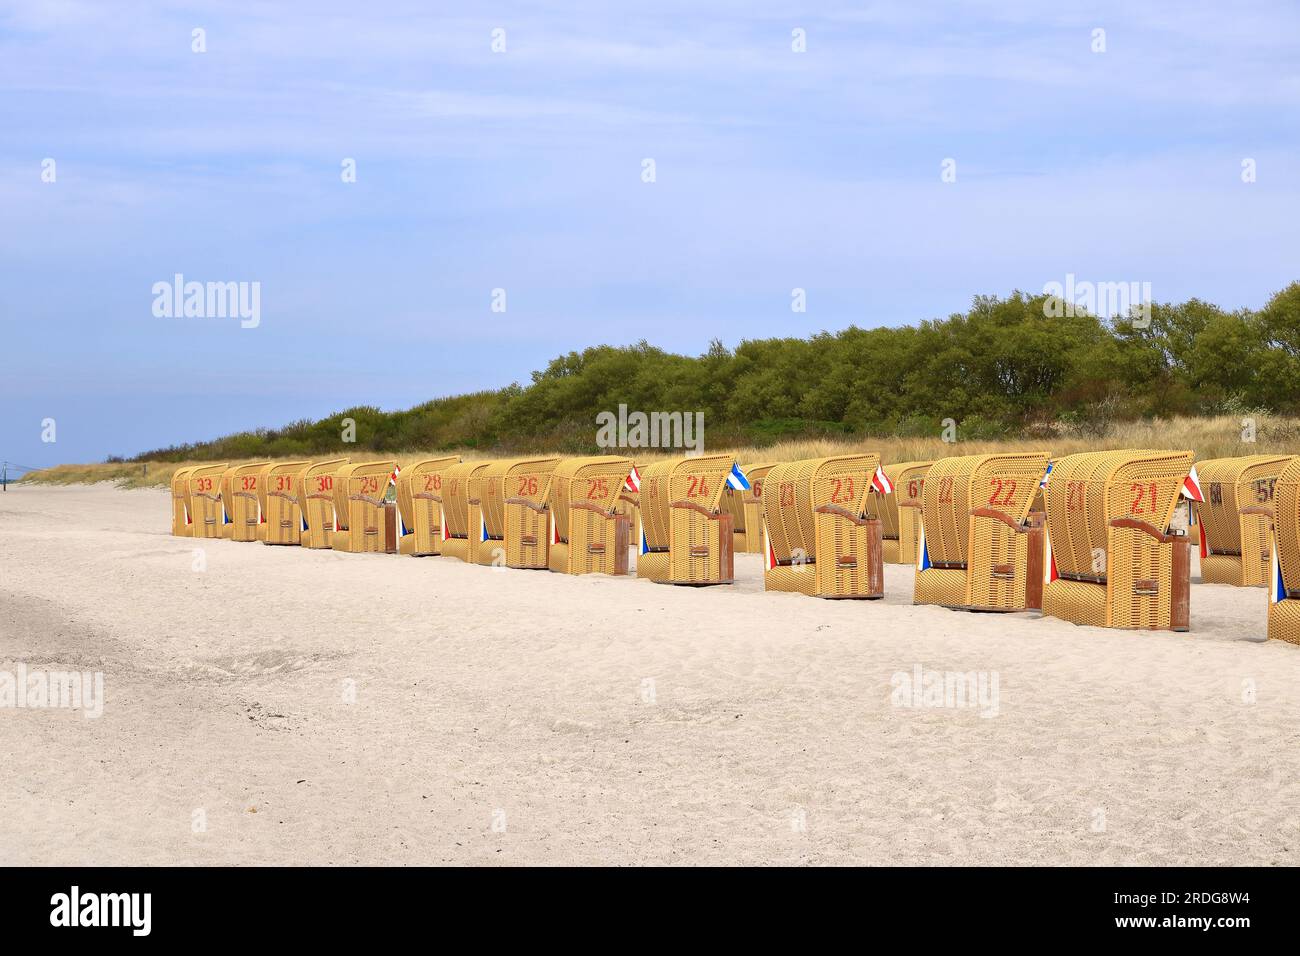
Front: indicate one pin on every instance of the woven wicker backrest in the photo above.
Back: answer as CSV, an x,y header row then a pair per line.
x,y
181,481
280,493
654,503
700,481
205,498
1286,517
954,487
422,479
1228,485
241,490
419,488
512,478
908,478
460,484
342,481
596,481
795,489
180,485
1087,491
316,484
368,480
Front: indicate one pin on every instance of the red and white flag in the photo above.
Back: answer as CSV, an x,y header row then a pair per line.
x,y
633,481
880,481
1192,486
397,470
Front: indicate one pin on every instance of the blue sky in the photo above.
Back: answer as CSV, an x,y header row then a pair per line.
x,y
522,170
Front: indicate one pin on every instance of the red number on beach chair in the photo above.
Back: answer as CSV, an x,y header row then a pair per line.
x,y
786,494
527,485
324,482
249,482
1003,491
433,482
757,488
843,491
945,491
369,484
283,482
914,489
1074,495
1140,491
597,488
205,484
696,487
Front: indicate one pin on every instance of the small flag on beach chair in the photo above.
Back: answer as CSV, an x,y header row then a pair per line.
x,y
880,481
1192,486
737,480
633,481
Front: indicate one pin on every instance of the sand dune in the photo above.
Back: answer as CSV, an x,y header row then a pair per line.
x,y
290,706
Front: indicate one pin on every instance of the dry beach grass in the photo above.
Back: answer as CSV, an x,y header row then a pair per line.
x,y
1216,437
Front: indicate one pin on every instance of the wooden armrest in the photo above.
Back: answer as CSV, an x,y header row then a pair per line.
x,y
527,503
1147,528
692,506
844,513
997,516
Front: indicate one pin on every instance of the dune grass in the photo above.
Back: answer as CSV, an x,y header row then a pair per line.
x,y
1219,437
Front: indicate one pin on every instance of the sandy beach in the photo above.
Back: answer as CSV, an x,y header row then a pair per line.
x,y
281,706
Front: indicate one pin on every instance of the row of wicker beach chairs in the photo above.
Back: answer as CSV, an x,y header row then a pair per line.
x,y
1100,538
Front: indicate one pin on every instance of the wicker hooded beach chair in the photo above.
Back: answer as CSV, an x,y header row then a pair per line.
x,y
207,515
979,550
514,531
462,510
419,505
820,539
588,534
1235,518
181,517
746,507
899,511
278,495
241,494
1284,572
685,534
315,488
1112,561
365,521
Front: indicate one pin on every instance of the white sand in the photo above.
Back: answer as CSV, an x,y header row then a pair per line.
x,y
518,696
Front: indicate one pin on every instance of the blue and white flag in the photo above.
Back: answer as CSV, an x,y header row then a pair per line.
x,y
645,547
1047,474
923,561
737,480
